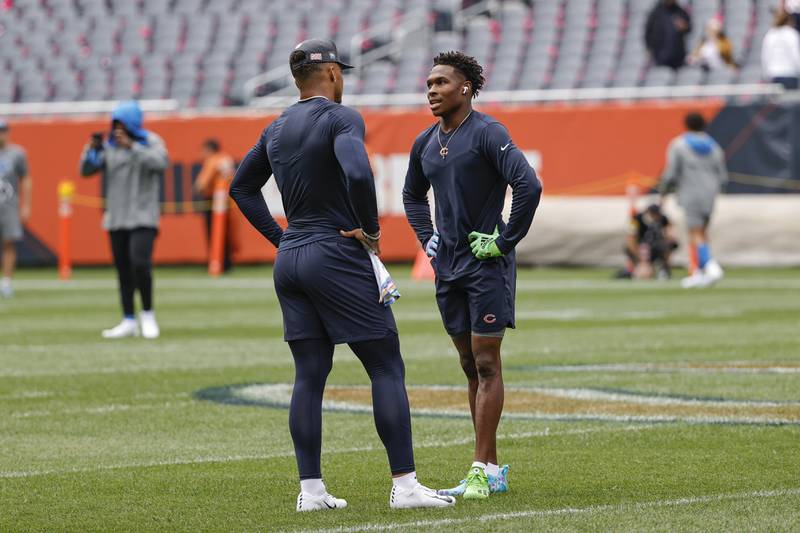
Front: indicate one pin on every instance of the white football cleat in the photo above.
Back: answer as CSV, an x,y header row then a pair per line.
x,y
6,291
126,328
419,496
713,272
698,279
310,502
149,325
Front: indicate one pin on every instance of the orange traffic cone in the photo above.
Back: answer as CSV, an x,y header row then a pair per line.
x,y
422,267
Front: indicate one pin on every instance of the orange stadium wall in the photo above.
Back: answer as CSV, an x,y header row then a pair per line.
x,y
577,150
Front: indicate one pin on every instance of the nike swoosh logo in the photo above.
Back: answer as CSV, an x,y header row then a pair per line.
x,y
503,148
329,506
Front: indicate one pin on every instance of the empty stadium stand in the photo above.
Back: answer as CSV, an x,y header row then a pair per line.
x,y
202,52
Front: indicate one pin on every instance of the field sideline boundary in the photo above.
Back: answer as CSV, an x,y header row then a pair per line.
x,y
566,511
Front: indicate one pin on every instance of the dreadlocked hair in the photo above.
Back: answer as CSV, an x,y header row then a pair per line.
x,y
466,65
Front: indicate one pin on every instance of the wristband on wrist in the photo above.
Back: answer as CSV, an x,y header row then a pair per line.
x,y
371,238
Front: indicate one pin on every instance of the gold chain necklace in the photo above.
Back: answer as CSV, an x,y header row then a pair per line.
x,y
443,147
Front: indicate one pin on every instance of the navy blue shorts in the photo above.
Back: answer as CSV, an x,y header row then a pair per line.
x,y
327,290
481,302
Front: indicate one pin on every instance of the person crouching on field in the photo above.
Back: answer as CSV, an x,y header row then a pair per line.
x,y
696,169
649,245
132,161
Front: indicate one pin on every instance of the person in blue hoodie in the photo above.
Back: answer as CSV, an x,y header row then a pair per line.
x,y
132,161
696,170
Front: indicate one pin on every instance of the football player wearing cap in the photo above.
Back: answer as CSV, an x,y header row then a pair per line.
x,y
323,274
14,210
470,160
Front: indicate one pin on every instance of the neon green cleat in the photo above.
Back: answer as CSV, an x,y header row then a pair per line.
x,y
477,484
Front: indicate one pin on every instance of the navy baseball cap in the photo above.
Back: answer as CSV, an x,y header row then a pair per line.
x,y
3,125
317,51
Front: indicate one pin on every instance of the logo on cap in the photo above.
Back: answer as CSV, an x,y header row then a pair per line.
x,y
315,56
331,55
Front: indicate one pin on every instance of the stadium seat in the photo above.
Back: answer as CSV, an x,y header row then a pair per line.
x,y
89,49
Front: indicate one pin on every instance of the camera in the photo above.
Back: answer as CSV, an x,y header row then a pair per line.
x,y
97,140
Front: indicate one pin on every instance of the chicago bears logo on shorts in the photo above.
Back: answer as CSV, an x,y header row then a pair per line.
x,y
490,318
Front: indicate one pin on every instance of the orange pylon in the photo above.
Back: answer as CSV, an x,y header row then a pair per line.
x,y
422,267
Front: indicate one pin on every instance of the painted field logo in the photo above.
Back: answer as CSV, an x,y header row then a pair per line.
x,y
534,404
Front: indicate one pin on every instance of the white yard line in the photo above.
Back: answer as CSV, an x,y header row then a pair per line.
x,y
26,395
567,511
133,369
670,368
288,453
102,409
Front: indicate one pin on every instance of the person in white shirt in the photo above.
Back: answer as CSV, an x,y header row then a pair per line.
x,y
715,51
780,52
793,8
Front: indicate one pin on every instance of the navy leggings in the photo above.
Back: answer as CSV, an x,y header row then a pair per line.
x,y
313,359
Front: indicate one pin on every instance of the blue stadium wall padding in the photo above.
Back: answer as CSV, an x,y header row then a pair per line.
x,y
761,144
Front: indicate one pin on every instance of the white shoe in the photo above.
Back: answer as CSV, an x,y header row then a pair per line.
x,y
324,502
698,279
6,291
419,496
126,328
713,272
149,325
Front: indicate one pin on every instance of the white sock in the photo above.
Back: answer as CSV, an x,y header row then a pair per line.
x,y
492,469
479,464
314,487
147,314
406,481
129,320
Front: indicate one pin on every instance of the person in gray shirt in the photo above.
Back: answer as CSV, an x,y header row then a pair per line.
x,y
14,210
132,161
696,170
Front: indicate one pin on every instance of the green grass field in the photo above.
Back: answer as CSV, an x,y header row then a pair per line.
x,y
631,406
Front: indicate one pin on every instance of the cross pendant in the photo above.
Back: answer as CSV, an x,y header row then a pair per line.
x,y
443,152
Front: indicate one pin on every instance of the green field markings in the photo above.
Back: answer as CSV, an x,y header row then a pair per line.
x,y
632,507
533,403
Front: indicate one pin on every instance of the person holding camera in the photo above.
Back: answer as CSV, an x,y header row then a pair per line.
x,y
132,161
649,245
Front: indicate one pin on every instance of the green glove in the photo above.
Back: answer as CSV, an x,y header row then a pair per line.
x,y
483,245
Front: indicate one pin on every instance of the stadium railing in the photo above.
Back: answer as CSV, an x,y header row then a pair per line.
x,y
741,91
84,107
555,95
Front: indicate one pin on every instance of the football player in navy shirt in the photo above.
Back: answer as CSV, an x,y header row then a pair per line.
x,y
470,160
323,274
